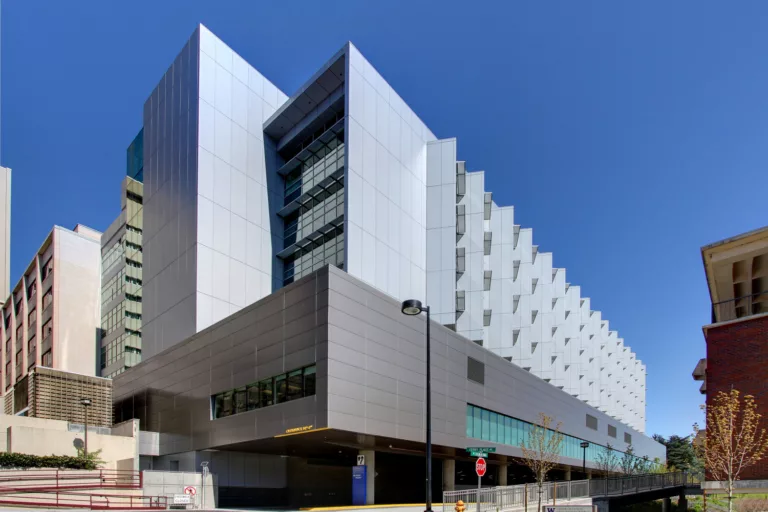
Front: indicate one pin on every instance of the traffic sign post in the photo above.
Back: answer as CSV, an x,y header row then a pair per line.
x,y
480,467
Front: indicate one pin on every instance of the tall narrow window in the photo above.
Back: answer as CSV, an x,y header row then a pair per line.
x,y
487,242
281,388
266,392
487,280
461,178
486,317
310,380
487,200
461,259
295,385
460,300
461,226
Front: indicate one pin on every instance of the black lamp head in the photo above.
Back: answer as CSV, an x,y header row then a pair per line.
x,y
411,307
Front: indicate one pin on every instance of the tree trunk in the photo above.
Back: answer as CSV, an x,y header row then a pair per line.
x,y
540,488
730,496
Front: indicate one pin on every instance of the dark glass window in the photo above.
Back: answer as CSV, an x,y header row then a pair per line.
x,y
253,396
239,401
295,385
309,380
266,393
224,404
280,388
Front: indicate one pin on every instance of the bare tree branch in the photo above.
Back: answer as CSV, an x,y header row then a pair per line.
x,y
541,449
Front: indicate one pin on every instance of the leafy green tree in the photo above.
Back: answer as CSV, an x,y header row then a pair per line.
x,y
680,453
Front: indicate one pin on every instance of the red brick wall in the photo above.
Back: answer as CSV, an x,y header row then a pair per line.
x,y
737,356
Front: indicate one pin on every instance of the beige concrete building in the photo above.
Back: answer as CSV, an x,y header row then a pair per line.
x,y
51,317
5,232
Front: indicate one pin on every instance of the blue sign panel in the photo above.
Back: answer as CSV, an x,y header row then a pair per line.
x,y
358,485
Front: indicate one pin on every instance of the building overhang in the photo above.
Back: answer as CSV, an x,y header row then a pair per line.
x,y
322,84
737,269
700,372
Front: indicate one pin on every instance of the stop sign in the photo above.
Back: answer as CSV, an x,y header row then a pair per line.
x,y
480,467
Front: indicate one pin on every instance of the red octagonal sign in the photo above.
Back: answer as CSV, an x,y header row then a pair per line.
x,y
480,467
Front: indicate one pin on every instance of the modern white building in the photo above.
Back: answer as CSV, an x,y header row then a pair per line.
x,y
247,190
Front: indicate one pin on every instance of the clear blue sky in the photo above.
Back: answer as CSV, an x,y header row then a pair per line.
x,y
627,134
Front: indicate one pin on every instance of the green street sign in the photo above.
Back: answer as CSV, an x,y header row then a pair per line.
x,y
483,449
482,455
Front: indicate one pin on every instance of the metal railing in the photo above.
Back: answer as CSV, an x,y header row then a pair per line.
x,y
45,480
499,499
617,486
740,307
505,498
89,501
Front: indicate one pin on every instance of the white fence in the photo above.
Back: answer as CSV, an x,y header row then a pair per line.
x,y
500,499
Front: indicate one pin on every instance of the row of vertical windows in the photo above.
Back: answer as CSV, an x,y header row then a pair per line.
x,y
113,287
327,250
276,390
113,319
498,428
127,345
113,255
327,161
316,213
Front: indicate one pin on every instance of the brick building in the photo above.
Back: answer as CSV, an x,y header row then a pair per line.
x,y
737,338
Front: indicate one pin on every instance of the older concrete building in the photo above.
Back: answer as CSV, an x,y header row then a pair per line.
x,y
51,318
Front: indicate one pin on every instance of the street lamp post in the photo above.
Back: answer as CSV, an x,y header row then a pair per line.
x,y
414,307
86,402
584,445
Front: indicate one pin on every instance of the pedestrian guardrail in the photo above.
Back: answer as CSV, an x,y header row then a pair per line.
x,y
88,501
500,499
634,484
28,480
505,498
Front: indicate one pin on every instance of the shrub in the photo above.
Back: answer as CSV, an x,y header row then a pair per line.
x,y
24,461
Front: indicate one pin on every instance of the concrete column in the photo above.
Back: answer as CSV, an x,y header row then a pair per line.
x,y
449,475
589,474
682,502
503,474
666,505
568,473
370,476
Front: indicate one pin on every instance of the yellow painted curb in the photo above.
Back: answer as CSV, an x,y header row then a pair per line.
x,y
353,507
